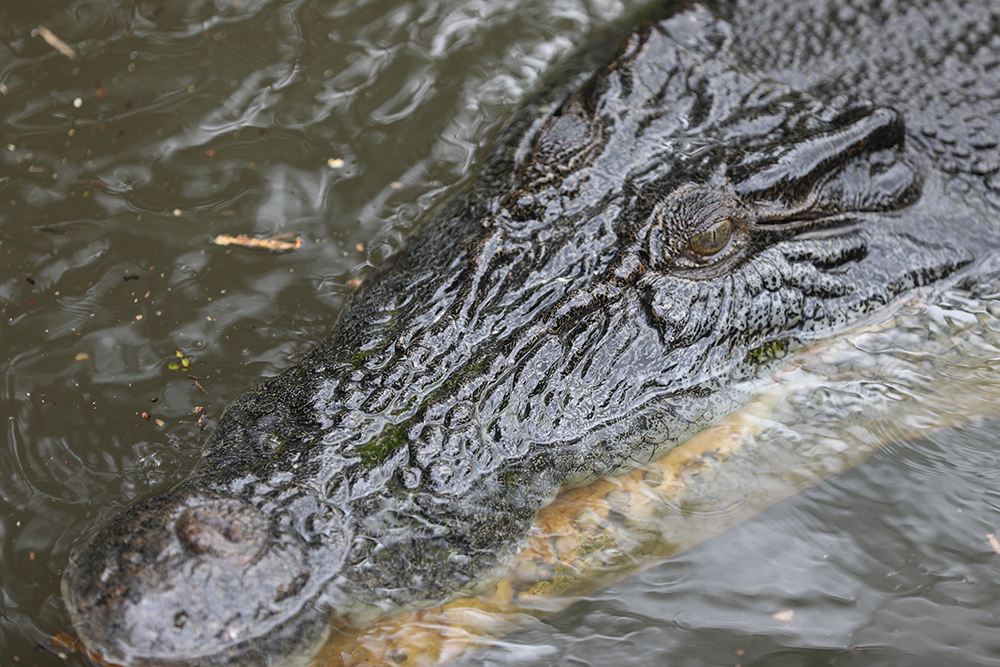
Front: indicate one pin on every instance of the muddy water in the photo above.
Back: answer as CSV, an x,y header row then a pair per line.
x,y
343,123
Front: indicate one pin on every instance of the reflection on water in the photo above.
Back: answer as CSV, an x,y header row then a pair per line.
x,y
344,122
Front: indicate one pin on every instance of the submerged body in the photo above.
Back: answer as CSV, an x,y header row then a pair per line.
x,y
645,245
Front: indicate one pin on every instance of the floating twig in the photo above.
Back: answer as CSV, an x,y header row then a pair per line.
x,y
198,384
53,40
270,245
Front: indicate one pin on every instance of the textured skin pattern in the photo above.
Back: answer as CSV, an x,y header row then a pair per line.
x,y
826,48
645,246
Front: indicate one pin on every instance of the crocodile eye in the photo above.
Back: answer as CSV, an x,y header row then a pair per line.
x,y
710,241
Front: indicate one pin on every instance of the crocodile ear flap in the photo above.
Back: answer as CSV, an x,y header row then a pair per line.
x,y
650,77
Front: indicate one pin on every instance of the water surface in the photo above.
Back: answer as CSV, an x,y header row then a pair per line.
x,y
344,123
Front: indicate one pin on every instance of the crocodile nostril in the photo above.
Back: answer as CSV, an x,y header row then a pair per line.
x,y
227,530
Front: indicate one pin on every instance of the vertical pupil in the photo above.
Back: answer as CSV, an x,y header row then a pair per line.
x,y
712,240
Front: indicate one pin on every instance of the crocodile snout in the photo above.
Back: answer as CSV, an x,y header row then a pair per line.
x,y
189,580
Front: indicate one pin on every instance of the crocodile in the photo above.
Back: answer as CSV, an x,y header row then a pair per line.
x,y
646,245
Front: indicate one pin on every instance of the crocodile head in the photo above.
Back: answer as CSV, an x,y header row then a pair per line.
x,y
644,247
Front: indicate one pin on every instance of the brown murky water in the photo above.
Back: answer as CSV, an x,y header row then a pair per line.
x,y
343,123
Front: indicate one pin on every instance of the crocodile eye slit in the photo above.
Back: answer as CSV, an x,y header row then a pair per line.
x,y
711,240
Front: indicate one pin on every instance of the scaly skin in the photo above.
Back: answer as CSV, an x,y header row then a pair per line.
x,y
643,248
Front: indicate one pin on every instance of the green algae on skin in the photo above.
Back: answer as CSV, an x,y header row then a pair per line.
x,y
375,452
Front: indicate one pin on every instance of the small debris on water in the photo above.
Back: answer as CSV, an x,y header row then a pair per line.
x,y
335,163
270,245
183,362
53,40
160,422
82,356
785,616
994,542
145,415
63,640
202,417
